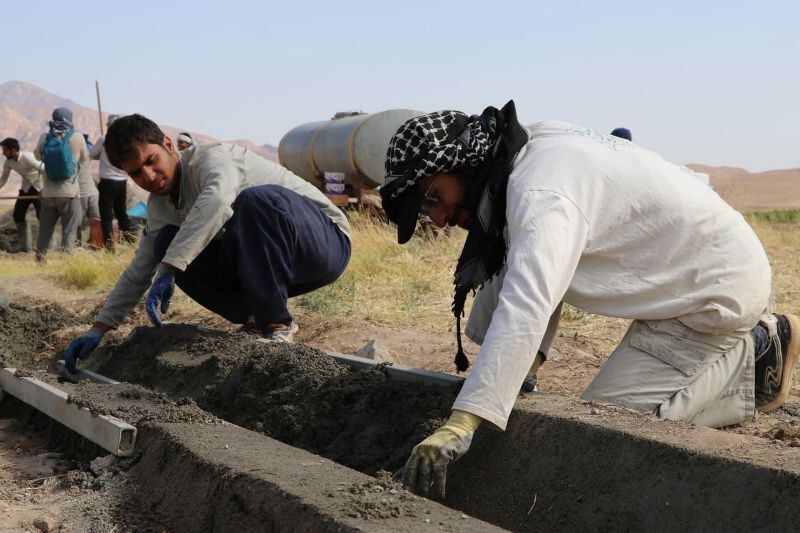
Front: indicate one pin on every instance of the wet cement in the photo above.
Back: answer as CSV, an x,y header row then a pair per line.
x,y
228,479
566,465
561,464
293,393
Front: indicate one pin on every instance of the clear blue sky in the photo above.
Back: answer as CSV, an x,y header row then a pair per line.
x,y
715,82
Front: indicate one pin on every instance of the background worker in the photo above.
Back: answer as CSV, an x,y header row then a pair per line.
x,y
63,152
113,194
88,193
610,228
623,133
184,141
237,233
30,169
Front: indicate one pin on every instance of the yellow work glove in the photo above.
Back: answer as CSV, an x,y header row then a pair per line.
x,y
429,459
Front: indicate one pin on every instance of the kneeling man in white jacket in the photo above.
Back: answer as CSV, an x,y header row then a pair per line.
x,y
562,213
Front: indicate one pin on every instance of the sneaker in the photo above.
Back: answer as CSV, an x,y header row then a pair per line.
x,y
281,334
775,365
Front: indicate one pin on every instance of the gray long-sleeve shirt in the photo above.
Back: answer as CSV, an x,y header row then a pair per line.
x,y
212,176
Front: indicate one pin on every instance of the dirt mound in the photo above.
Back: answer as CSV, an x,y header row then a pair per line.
x,y
294,393
26,333
8,238
8,231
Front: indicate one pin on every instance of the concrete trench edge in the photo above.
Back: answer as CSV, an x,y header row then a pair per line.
x,y
243,481
567,465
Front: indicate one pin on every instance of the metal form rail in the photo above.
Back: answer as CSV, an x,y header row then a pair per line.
x,y
112,434
82,374
400,372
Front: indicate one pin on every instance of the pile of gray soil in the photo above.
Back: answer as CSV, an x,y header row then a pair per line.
x,y
26,332
293,393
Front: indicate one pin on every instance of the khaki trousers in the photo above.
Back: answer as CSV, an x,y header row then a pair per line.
x,y
670,370
660,367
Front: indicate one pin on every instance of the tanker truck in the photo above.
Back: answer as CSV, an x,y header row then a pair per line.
x,y
350,147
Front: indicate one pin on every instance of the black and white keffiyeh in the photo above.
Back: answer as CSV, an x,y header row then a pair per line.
x,y
433,143
448,140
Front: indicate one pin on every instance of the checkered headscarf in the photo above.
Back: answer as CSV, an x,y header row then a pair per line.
x,y
433,143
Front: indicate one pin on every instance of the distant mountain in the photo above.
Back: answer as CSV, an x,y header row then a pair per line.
x,y
25,110
774,189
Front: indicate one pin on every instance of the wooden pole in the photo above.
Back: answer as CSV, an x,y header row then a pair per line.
x,y
99,107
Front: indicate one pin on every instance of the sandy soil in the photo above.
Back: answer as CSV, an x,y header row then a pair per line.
x,y
29,485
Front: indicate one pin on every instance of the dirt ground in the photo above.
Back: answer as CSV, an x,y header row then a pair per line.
x,y
317,406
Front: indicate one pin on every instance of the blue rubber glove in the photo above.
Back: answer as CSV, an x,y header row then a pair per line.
x,y
80,347
160,293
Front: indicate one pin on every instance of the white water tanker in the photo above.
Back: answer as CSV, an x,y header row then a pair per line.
x,y
351,143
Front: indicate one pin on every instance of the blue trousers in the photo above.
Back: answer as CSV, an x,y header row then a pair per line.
x,y
276,245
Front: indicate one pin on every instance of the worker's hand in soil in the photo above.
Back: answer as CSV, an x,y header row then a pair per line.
x,y
80,347
160,293
427,465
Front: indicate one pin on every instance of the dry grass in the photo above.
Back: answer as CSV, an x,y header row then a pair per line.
x,y
782,242
404,285
83,270
387,282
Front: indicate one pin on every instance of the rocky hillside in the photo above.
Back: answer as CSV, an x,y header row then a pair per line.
x,y
25,111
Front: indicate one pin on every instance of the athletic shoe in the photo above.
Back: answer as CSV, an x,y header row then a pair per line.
x,y
775,365
281,334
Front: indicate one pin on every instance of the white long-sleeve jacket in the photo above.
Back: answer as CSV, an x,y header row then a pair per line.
x,y
607,226
27,166
107,170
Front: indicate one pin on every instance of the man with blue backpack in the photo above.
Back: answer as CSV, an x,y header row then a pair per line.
x,y
63,151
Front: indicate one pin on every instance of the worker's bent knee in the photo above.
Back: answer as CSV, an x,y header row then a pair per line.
x,y
261,196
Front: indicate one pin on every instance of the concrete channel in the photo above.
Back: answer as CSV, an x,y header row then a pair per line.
x,y
244,481
566,465
569,464
561,464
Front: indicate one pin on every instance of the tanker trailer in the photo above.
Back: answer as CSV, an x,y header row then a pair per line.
x,y
351,143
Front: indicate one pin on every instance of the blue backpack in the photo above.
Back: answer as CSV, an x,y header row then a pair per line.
x,y
57,157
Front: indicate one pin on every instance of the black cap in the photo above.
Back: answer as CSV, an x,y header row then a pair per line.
x,y
404,211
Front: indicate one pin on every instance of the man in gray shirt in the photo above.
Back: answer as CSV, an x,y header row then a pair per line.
x,y
237,233
27,166
61,197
